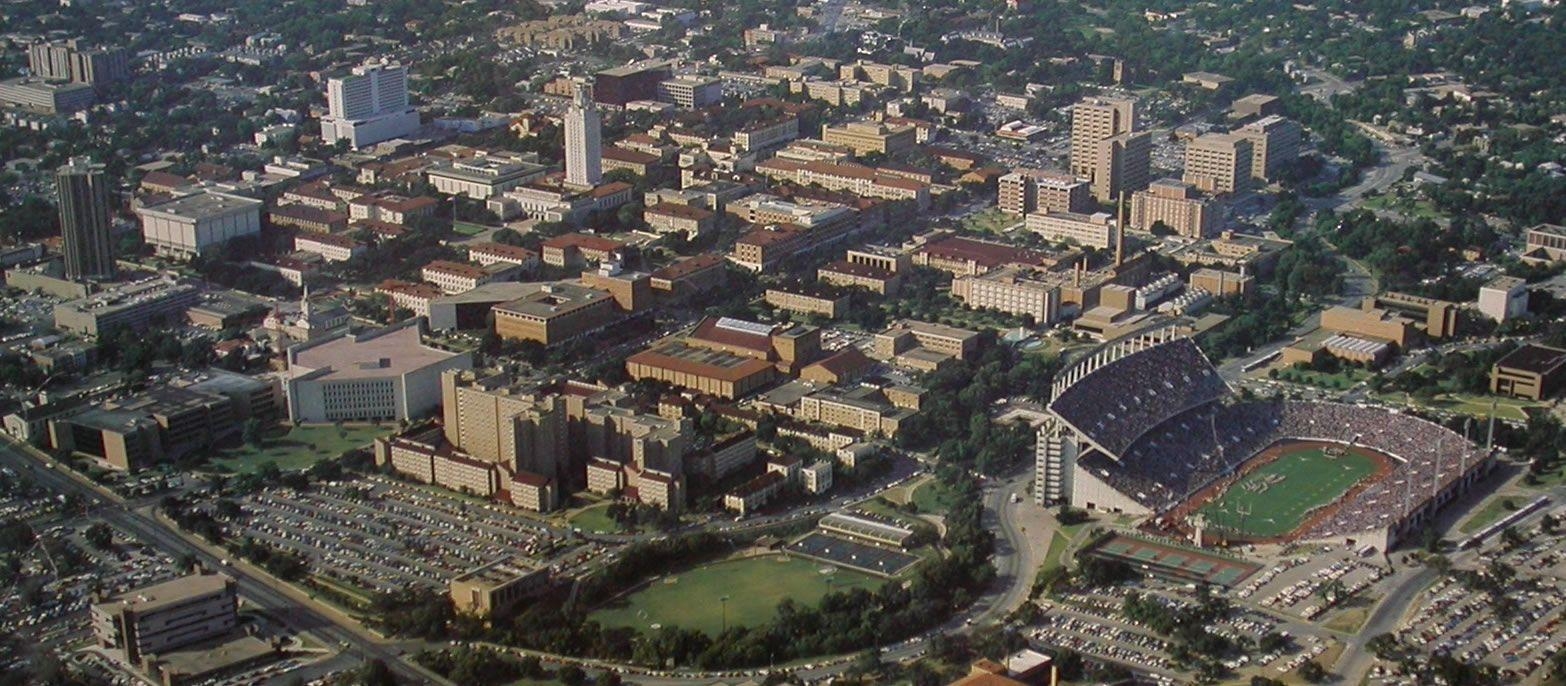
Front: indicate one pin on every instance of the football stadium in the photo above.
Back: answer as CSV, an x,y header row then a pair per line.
x,y
1147,427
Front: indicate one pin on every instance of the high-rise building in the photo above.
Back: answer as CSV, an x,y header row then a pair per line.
x,y
1122,165
1219,163
84,219
1275,145
583,147
369,106
1106,148
68,62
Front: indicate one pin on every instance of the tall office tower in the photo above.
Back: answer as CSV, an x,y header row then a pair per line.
x,y
84,219
583,147
1219,163
369,106
1106,148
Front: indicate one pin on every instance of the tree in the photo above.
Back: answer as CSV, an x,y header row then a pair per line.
x,y
99,536
1313,672
376,673
572,675
250,432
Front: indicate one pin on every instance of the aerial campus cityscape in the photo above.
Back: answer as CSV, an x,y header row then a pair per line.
x,y
685,343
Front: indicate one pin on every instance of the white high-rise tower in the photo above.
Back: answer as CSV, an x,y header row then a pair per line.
x,y
583,147
369,106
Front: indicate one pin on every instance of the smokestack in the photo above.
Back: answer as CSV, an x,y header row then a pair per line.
x,y
1120,231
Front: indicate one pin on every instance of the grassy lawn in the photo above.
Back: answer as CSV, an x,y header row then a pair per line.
x,y
1510,409
1408,207
1342,380
883,508
1275,499
1057,545
298,448
466,229
1492,512
595,520
754,586
933,497
992,220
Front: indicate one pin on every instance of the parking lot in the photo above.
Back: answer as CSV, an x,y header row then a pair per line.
x,y
378,534
1094,624
1452,619
1301,584
48,600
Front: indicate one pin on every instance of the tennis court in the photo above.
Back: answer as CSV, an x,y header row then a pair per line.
x,y
1174,562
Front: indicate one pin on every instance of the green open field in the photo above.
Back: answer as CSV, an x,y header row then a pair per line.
x,y
754,586
595,520
992,220
297,448
933,497
1276,498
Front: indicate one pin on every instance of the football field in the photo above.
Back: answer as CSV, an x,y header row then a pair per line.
x,y
1278,497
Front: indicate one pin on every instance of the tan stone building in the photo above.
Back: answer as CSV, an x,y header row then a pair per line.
x,y
1219,163
556,312
1179,206
866,137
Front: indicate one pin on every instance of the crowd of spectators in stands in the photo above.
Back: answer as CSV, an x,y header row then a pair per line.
x,y
1116,403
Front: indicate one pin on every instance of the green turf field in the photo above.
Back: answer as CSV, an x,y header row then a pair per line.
x,y
298,447
755,586
1275,499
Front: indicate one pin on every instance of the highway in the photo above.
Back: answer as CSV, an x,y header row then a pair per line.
x,y
285,605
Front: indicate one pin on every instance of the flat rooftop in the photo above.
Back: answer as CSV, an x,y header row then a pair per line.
x,y
551,299
203,205
157,596
384,353
1538,359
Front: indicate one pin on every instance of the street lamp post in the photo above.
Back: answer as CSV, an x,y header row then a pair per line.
x,y
724,601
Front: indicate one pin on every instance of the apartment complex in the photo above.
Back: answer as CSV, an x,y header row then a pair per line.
x,y
1219,163
1179,206
71,61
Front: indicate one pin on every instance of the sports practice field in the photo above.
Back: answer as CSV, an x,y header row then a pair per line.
x,y
1278,496
754,586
